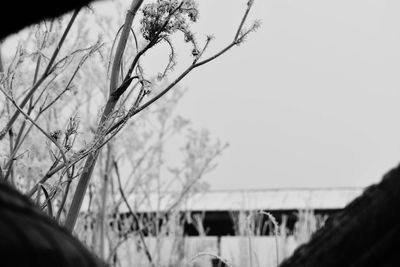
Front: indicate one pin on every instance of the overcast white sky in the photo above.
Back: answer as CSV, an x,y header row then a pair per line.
x,y
310,100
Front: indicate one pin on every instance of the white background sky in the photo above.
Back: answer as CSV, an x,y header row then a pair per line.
x,y
310,100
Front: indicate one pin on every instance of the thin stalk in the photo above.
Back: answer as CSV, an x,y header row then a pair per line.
x,y
64,199
112,101
276,233
14,149
43,77
37,126
10,132
146,250
104,191
11,168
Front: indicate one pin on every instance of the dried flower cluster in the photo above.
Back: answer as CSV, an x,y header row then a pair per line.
x,y
166,17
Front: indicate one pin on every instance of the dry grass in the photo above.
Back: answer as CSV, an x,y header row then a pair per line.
x,y
257,231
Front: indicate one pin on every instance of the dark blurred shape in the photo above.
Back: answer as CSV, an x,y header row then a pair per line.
x,y
218,263
365,233
30,238
17,15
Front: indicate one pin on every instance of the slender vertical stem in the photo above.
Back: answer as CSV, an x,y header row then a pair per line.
x,y
141,235
11,140
104,190
112,101
10,170
122,44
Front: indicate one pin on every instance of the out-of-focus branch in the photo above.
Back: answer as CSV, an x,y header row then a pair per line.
x,y
121,190
43,77
20,139
37,126
177,201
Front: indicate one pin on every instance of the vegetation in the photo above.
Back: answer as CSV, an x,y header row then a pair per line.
x,y
73,98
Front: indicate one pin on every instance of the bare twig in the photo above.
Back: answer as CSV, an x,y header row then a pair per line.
x,y
64,199
37,126
237,39
276,233
46,73
93,49
177,201
146,250
48,201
